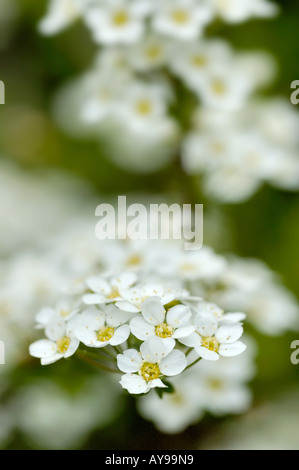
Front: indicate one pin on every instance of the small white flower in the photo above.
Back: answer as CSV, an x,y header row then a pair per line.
x,y
65,310
157,321
212,339
60,342
117,21
182,19
61,13
149,54
144,370
98,328
237,11
108,291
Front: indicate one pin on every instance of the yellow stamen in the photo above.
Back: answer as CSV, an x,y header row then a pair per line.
x,y
104,334
164,331
63,344
149,371
120,18
211,343
180,16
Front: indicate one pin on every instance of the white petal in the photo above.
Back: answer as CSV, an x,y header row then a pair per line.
x,y
157,383
154,349
55,329
229,334
98,285
120,335
93,319
184,331
134,384
44,316
127,306
116,317
125,280
86,336
178,316
130,361
50,360
153,310
93,299
230,350
206,324
42,348
141,329
234,317
174,363
192,341
207,354
74,344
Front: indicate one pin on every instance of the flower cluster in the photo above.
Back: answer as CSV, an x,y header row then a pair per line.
x,y
156,60
151,328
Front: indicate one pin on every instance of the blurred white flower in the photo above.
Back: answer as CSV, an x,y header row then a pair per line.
x,y
118,21
60,14
182,19
60,342
236,11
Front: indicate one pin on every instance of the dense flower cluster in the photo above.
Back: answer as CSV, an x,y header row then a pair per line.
x,y
155,58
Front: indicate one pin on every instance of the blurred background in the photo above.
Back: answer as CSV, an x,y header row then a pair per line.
x,y
51,181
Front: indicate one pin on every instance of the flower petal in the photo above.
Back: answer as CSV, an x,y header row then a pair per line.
x,y
178,316
141,329
184,331
134,384
174,363
42,348
130,361
155,349
153,310
121,335
207,354
229,333
98,285
234,349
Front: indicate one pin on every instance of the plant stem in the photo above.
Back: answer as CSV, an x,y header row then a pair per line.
x,y
193,363
84,356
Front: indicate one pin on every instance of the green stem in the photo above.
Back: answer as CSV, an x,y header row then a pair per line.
x,y
84,356
193,363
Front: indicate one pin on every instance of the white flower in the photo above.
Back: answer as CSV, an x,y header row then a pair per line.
x,y
157,321
236,11
212,339
143,371
175,411
182,19
60,342
98,328
61,14
107,291
133,298
149,54
65,310
144,107
193,60
117,21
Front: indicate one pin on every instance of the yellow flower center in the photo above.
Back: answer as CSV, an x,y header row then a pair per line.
x,y
215,384
153,52
120,18
64,313
218,87
164,331
199,61
63,344
104,334
144,107
134,260
149,371
211,343
180,17
114,294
